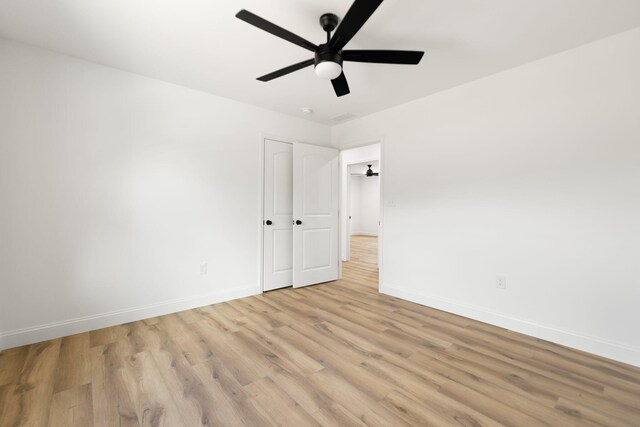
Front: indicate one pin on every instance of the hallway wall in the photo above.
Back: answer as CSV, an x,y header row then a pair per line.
x,y
365,205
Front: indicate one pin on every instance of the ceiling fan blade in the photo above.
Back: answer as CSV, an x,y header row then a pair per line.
x,y
410,57
358,14
277,31
340,85
286,70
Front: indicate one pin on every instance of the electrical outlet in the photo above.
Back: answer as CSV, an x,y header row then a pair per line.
x,y
203,268
501,282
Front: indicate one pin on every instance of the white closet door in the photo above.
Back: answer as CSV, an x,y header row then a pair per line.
x,y
278,215
315,212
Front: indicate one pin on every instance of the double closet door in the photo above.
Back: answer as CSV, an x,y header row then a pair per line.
x,y
300,215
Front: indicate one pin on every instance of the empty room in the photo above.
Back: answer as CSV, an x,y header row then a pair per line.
x,y
319,213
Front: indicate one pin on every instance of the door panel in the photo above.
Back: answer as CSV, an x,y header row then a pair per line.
x,y
312,239
283,181
316,186
315,205
278,208
283,251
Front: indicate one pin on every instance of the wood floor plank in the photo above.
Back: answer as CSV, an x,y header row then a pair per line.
x,y
74,365
115,384
29,401
592,414
198,405
9,407
486,385
108,335
72,407
280,407
225,347
186,337
214,374
214,318
152,398
629,399
433,412
335,354
297,386
11,363
336,415
294,360
358,404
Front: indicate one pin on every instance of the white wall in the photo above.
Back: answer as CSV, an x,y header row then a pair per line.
x,y
114,188
533,173
367,150
365,205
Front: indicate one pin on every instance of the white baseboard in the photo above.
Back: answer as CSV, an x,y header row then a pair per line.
x,y
601,347
89,323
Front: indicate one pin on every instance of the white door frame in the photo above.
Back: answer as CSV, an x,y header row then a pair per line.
x,y
261,141
348,201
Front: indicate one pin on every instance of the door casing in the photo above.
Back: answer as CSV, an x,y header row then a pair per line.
x,y
344,189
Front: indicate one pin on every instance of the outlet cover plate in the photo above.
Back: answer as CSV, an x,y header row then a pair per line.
x,y
501,282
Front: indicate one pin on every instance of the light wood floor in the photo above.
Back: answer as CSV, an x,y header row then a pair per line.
x,y
334,354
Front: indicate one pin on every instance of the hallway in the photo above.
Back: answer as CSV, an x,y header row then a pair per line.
x,y
363,264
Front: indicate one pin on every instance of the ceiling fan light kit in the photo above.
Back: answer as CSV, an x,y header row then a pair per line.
x,y
328,57
328,70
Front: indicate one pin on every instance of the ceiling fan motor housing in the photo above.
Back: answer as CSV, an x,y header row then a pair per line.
x,y
325,53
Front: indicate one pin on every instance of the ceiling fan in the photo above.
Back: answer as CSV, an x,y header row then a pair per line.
x,y
328,57
369,172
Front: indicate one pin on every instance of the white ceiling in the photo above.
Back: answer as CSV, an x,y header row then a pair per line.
x,y
200,44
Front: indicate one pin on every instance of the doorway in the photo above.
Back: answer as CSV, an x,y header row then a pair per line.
x,y
363,211
361,202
